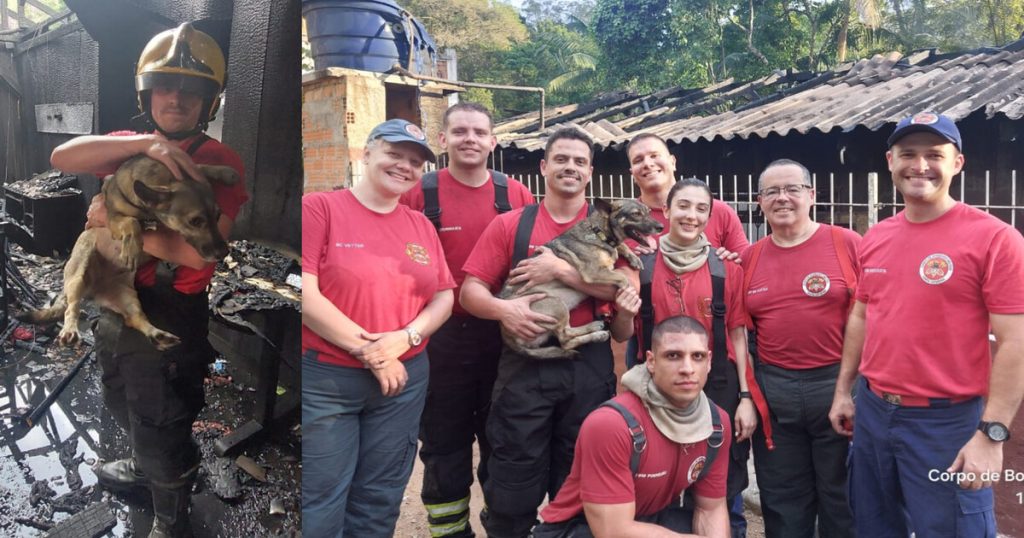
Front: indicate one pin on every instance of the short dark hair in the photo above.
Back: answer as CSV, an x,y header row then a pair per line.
x,y
644,136
689,182
677,324
785,162
569,133
467,106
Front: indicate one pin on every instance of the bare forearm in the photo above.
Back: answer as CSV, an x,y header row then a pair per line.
x,y
622,326
323,318
853,347
1006,386
711,523
477,299
437,311
171,246
638,529
738,336
95,152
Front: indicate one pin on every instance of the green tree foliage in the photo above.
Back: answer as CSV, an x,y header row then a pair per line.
x,y
577,49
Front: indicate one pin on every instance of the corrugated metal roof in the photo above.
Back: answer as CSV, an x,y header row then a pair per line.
x,y
869,93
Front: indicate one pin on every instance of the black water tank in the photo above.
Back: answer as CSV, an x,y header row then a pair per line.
x,y
369,35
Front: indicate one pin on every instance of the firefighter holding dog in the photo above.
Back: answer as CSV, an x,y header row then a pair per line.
x,y
155,396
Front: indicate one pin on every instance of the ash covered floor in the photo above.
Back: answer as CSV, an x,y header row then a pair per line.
x,y
46,474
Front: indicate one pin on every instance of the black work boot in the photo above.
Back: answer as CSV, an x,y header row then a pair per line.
x,y
120,474
170,510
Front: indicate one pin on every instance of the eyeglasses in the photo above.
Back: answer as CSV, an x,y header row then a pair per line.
x,y
791,190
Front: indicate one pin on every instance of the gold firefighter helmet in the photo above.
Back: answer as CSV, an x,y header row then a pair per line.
x,y
185,58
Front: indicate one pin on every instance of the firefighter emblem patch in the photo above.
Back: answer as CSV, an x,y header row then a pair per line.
x,y
417,253
704,306
816,284
415,131
695,468
936,269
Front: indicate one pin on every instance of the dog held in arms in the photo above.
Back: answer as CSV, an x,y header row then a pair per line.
x,y
141,190
591,247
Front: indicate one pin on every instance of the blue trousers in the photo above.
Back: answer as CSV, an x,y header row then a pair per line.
x,y
895,460
358,448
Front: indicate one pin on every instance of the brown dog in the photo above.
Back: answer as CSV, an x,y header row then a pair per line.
x,y
592,247
142,189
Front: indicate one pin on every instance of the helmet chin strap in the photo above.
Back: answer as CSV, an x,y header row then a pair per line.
x,y
145,122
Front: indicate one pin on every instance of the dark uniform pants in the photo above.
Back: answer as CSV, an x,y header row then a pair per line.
x,y
464,355
536,413
802,481
725,394
155,396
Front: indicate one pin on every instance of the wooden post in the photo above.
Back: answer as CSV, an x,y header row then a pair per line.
x,y
872,199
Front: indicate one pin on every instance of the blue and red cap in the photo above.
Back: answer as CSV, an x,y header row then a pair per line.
x,y
927,122
398,130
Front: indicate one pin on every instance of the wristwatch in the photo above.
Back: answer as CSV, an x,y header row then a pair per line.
x,y
414,337
746,394
996,431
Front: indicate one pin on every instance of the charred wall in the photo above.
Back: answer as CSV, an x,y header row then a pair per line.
x,y
59,66
263,114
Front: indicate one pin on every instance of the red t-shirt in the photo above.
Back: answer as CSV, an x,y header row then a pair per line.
x,y
465,213
229,198
690,294
799,300
929,289
380,270
600,469
491,258
724,228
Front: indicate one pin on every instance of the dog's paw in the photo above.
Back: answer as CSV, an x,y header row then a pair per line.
x,y
635,262
68,336
131,251
163,340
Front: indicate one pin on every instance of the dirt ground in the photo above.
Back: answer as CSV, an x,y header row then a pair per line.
x,y
412,522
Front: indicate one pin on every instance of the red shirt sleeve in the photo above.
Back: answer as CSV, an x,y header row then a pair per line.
x,y
736,309
491,256
315,219
604,449
1004,295
413,198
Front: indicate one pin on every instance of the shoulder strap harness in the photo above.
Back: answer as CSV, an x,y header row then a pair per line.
x,y
636,431
432,208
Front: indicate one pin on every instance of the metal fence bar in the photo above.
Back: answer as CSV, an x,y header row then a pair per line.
x,y
872,199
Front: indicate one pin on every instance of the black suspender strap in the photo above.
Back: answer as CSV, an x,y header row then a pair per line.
x,y
431,208
197,143
716,439
500,192
646,306
521,247
636,431
719,350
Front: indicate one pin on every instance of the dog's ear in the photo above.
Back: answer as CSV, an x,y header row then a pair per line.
x,y
602,205
225,175
151,196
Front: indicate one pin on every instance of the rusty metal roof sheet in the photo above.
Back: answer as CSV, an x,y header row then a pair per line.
x,y
870,93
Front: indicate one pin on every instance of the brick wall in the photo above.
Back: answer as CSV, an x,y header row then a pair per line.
x,y
339,109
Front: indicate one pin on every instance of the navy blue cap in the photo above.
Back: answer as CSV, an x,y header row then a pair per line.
x,y
927,122
399,130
